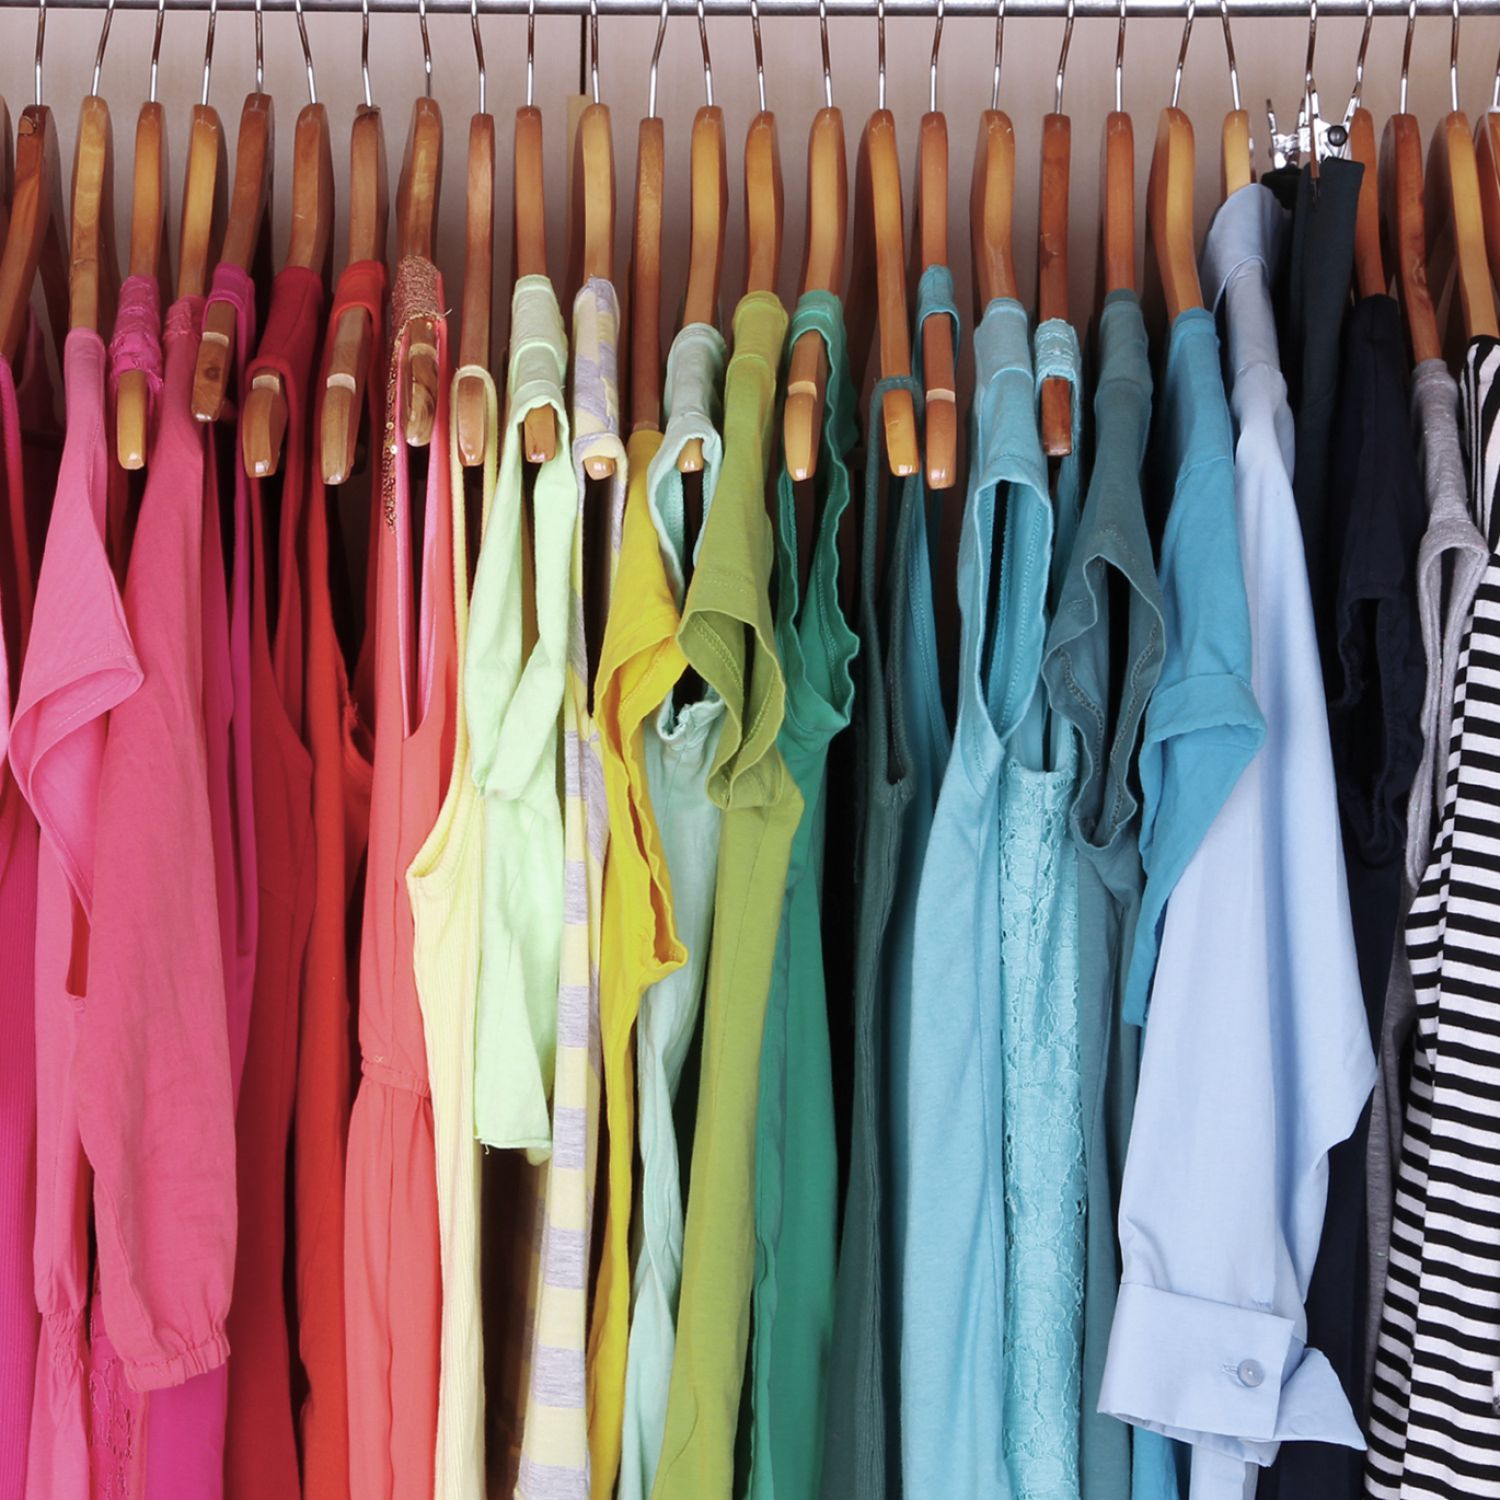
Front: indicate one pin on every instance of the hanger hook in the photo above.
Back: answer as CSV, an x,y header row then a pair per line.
x,y
1120,63
1309,83
932,67
426,49
1411,26
828,63
530,49
1234,71
1062,60
478,54
109,16
661,32
1357,97
161,16
1453,60
41,41
260,50
594,48
760,55
880,53
364,51
999,53
312,81
208,48
708,67
1182,51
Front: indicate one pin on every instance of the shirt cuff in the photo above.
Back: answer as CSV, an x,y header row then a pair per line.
x,y
1237,1379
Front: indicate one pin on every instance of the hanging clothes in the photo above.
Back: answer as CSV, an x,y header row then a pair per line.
x,y
796,1157
640,663
80,663
514,695
338,713
1256,982
260,1454
444,885
681,741
955,1230
392,1253
1450,563
728,637
555,1439
903,743
1434,1426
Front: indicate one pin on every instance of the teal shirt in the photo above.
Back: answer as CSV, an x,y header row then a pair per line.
x,y
796,1157
954,1213
903,742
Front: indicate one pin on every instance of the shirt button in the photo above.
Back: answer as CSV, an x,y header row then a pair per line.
x,y
1250,1373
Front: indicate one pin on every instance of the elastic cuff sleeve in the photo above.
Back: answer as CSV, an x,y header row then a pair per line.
x,y
174,1369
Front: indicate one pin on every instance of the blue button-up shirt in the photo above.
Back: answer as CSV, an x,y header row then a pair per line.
x,y
1257,1056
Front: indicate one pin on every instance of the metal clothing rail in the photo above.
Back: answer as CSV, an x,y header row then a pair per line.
x,y
835,9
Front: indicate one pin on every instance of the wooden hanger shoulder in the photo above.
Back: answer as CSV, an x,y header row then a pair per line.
x,y
1169,212
939,375
416,235
470,414
645,277
93,273
149,256
992,198
710,213
34,234
1052,274
1406,224
530,229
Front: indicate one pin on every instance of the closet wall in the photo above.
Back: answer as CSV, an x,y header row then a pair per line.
x,y
1269,51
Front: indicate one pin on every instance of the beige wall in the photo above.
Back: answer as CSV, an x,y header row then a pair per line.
x,y
1270,53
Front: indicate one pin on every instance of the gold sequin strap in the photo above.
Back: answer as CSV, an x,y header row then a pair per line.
x,y
414,296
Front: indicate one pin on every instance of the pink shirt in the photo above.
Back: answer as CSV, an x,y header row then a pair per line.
x,y
80,665
152,1064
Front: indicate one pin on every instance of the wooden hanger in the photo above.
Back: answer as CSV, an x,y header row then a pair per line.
x,y
530,220
1117,176
1406,221
645,261
1487,155
93,271
765,202
470,413
263,427
416,234
1052,255
1236,168
34,236
1369,260
992,199
7,167
939,376
201,223
149,256
593,251
249,220
1169,212
351,353
822,270
710,211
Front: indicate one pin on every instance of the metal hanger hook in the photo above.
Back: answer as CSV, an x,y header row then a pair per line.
x,y
208,48
880,53
312,81
161,16
999,53
1120,63
109,16
1062,60
1411,26
1234,71
661,35
1309,84
364,51
760,54
708,66
828,61
41,44
1495,96
260,49
426,49
479,55
1357,97
594,48
530,50
1453,60
1182,51
932,67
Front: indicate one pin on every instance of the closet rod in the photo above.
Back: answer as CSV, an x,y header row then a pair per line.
x,y
981,9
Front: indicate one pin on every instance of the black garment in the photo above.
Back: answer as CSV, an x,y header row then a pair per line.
x,y
1319,270
1376,674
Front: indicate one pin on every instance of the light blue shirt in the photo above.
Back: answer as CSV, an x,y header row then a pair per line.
x,y
1202,724
1257,1058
